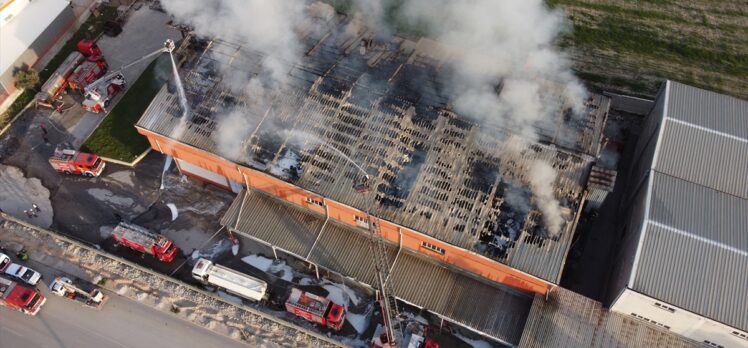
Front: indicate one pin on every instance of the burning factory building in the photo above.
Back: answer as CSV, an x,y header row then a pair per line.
x,y
366,130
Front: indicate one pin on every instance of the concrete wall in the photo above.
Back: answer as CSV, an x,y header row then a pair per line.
x,y
461,258
37,50
626,247
678,320
646,146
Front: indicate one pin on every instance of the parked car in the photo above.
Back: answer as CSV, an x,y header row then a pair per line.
x,y
4,262
23,273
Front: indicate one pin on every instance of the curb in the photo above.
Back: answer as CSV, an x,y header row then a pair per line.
x,y
61,238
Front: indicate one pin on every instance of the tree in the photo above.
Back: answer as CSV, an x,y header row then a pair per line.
x,y
26,79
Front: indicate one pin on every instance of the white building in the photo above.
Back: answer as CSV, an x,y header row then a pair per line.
x,y
28,30
683,263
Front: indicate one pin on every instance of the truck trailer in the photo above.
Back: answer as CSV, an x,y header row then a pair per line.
x,y
234,282
19,297
316,309
145,241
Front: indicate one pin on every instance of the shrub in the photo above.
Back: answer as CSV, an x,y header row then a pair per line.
x,y
26,79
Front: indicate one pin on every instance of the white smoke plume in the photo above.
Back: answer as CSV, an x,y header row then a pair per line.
x,y
542,177
495,40
267,25
513,42
505,45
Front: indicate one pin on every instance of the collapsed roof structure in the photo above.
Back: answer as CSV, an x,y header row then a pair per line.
x,y
357,102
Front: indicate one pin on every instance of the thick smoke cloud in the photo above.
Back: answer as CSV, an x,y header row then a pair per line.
x,y
494,45
541,183
267,25
506,45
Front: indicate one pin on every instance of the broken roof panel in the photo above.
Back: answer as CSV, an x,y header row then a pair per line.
x,y
388,110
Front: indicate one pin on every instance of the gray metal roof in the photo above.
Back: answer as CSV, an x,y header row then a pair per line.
x,y
704,158
711,110
693,251
491,308
568,319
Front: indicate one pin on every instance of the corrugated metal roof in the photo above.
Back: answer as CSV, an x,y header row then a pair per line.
x,y
694,274
701,211
568,319
704,158
694,248
344,250
493,309
712,110
497,311
278,224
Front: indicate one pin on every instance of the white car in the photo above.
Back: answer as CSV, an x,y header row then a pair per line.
x,y
4,262
27,275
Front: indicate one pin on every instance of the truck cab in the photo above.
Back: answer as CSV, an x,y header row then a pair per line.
x,y
21,298
316,309
164,249
99,96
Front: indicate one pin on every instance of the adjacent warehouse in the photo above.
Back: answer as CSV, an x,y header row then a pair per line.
x,y
28,29
684,255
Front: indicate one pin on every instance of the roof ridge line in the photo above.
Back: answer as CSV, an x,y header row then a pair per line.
x,y
707,129
698,184
698,238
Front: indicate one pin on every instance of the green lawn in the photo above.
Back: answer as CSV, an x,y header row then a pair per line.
x,y
632,46
90,29
116,136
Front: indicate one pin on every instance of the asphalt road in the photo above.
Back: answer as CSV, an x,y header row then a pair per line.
x,y
121,323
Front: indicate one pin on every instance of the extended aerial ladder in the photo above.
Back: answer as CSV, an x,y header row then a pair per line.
x,y
378,248
390,311
100,92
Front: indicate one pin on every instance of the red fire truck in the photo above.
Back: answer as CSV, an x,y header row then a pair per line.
x,y
145,241
21,298
58,81
78,70
86,73
316,309
75,162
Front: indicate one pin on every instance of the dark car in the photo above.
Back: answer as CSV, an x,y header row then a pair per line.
x,y
112,28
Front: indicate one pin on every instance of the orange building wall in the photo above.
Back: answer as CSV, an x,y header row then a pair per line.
x,y
458,257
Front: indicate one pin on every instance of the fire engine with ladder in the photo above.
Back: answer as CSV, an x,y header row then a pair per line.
x,y
71,161
145,241
80,68
63,286
100,93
